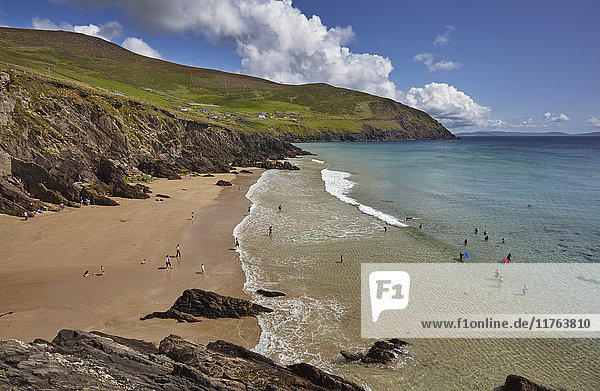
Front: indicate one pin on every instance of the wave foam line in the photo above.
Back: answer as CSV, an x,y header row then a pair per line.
x,y
318,161
338,186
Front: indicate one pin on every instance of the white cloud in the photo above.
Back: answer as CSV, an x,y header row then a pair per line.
x,y
549,117
138,46
277,41
444,38
274,39
107,31
593,122
427,59
452,107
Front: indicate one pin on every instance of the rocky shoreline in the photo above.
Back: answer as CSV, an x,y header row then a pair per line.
x,y
81,360
60,143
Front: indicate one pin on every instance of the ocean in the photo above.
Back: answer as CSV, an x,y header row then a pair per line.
x,y
537,198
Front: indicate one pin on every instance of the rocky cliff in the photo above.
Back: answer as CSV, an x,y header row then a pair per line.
x,y
77,360
60,143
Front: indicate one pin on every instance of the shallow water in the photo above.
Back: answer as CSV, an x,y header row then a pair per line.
x,y
450,187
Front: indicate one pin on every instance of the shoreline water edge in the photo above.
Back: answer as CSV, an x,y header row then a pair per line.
x,y
320,314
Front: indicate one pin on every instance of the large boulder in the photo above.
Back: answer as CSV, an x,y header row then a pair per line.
x,y
200,303
382,352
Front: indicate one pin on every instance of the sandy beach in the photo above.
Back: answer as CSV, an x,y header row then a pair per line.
x,y
42,262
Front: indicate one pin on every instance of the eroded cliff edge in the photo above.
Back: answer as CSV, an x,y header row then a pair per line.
x,y
60,142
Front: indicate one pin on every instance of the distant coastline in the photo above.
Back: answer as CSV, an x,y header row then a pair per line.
x,y
525,134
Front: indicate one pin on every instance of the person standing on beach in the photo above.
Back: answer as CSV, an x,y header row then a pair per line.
x,y
279,208
178,255
384,228
203,270
25,215
237,243
250,207
192,216
341,258
102,269
270,230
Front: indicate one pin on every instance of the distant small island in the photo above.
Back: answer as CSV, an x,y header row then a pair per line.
x,y
498,133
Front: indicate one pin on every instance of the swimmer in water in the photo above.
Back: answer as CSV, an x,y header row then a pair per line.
x,y
476,231
465,242
525,289
497,274
500,282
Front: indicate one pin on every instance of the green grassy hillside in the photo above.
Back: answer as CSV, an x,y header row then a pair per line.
x,y
311,111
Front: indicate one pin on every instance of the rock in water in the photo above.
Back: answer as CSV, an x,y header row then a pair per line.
x,y
267,293
95,361
196,302
221,182
519,383
382,352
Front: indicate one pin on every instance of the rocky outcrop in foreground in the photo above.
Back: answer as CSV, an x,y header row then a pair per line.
x,y
82,360
382,352
60,143
198,303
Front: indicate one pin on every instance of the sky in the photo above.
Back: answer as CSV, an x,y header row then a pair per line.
x,y
511,65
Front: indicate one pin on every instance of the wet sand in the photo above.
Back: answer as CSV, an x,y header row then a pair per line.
x,y
42,262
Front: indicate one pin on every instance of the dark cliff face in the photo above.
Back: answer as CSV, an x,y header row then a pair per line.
x,y
59,142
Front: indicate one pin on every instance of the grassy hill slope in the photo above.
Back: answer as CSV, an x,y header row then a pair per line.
x,y
292,112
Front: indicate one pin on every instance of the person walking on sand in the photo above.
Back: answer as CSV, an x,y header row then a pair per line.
x,y
280,208
168,262
341,258
203,270
26,215
178,255
102,269
192,216
270,230
237,243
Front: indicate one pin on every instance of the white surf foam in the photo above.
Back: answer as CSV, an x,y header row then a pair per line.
x,y
318,161
338,186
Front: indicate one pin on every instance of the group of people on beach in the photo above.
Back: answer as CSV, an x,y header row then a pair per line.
x,y
500,282
87,272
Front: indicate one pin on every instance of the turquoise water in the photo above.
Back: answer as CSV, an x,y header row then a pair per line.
x,y
341,200
453,187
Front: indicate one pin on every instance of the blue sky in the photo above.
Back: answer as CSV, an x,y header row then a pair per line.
x,y
474,65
